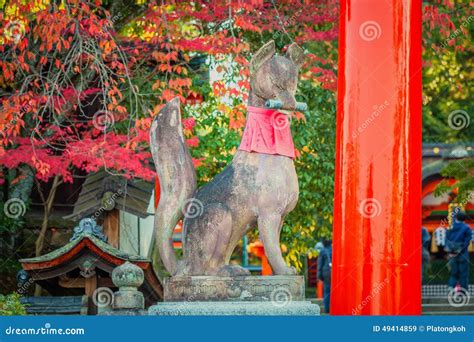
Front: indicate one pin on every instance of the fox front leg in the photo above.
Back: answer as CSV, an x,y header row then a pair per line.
x,y
269,230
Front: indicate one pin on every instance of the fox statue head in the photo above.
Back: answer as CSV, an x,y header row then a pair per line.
x,y
274,77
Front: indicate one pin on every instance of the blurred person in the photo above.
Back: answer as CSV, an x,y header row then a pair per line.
x,y
425,250
458,239
324,272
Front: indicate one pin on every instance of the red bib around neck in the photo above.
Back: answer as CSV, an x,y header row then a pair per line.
x,y
267,131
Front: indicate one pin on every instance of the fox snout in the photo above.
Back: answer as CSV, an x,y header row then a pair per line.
x,y
287,100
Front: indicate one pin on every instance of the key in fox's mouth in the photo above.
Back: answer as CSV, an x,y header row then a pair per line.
x,y
277,104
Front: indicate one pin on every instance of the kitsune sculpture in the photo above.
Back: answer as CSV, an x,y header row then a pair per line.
x,y
258,188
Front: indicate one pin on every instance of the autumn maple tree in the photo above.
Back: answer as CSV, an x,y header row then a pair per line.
x,y
82,80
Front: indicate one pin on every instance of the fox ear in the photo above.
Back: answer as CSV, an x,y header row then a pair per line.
x,y
261,56
295,54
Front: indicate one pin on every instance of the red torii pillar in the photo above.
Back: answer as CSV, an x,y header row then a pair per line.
x,y
377,203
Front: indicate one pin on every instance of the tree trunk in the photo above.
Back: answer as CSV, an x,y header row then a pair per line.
x,y
47,205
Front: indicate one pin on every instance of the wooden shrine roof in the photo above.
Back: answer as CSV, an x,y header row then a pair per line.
x,y
74,247
87,253
129,195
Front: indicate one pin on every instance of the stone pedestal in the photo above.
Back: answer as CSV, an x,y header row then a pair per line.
x,y
248,288
302,308
247,295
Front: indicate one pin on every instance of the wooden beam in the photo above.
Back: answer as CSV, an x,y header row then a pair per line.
x,y
90,285
112,227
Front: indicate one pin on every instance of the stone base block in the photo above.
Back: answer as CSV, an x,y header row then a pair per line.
x,y
300,308
129,299
278,289
125,312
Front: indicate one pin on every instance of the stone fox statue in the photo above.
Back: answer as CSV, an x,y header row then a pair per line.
x,y
258,188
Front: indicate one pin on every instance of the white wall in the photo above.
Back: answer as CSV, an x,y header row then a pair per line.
x,y
136,233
